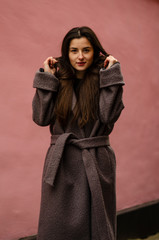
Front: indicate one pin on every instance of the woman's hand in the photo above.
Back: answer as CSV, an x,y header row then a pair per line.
x,y
109,61
49,65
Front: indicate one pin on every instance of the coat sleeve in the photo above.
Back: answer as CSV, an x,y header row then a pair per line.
x,y
111,90
46,86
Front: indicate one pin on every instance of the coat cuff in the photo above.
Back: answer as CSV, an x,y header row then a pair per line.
x,y
111,76
46,81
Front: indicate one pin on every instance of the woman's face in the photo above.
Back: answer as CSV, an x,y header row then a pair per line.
x,y
81,54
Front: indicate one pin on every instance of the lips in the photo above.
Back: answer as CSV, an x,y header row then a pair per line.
x,y
81,63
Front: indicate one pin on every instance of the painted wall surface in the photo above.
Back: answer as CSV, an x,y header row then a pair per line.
x,y
30,32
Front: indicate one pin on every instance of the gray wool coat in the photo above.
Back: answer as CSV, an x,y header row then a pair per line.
x,y
78,183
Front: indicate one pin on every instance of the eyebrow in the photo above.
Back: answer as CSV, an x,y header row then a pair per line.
x,y
83,48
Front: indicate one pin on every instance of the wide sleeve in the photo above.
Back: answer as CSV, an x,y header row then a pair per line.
x,y
111,91
46,85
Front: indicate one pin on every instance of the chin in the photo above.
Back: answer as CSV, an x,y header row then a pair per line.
x,y
81,68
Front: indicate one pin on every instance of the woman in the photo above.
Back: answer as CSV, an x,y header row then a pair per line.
x,y
79,95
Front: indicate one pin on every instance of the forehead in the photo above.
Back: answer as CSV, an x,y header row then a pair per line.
x,y
80,43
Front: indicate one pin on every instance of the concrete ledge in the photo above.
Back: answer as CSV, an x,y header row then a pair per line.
x,y
138,222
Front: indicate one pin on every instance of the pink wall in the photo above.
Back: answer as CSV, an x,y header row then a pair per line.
x,y
33,30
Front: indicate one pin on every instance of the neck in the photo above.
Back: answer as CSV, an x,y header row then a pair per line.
x,y
80,74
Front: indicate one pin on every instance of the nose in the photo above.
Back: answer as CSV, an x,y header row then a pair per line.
x,y
80,56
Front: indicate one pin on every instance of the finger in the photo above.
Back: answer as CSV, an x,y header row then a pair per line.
x,y
109,64
110,61
115,60
46,62
106,62
54,60
50,63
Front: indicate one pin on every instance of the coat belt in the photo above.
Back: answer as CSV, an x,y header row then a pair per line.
x,y
85,144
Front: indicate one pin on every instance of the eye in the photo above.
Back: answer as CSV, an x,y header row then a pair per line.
x,y
73,50
86,50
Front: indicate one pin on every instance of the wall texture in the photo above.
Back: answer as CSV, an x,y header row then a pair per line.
x,y
32,31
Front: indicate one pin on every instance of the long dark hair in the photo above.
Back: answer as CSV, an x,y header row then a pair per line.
x,y
88,93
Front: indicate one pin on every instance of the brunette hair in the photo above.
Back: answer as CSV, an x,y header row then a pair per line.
x,y
88,91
